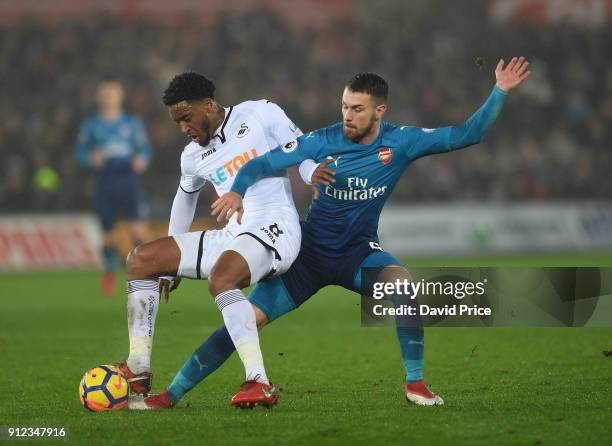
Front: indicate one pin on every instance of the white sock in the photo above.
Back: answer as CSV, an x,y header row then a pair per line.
x,y
142,305
241,324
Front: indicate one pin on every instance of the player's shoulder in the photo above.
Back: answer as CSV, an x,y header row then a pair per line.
x,y
92,120
397,130
131,119
334,131
189,157
191,148
399,134
326,135
259,109
321,142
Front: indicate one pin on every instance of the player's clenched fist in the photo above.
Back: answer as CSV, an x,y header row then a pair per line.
x,y
513,74
227,205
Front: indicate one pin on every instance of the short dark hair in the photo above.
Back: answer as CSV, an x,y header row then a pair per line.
x,y
188,87
370,83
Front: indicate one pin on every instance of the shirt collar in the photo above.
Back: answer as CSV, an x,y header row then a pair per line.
x,y
220,133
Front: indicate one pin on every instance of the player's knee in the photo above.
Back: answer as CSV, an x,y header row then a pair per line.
x,y
136,263
393,273
228,275
260,318
221,281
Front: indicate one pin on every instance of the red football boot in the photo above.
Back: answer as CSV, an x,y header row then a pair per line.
x,y
139,384
108,284
418,393
253,393
153,402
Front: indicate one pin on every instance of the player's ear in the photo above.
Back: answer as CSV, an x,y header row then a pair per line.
x,y
381,109
208,105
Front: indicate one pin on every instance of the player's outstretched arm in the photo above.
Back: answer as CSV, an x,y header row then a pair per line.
x,y
472,131
515,72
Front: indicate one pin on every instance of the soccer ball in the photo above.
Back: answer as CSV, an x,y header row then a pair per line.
x,y
103,388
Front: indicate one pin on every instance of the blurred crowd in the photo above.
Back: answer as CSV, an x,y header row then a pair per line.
x,y
551,142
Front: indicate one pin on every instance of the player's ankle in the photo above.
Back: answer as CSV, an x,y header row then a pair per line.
x,y
257,374
137,366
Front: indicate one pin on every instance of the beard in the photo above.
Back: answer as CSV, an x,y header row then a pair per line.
x,y
356,135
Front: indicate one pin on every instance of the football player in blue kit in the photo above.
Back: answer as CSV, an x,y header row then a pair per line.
x,y
339,234
114,145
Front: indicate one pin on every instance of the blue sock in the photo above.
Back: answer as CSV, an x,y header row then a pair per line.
x,y
204,361
110,258
411,341
410,334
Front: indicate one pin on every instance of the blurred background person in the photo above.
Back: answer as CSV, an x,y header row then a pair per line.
x,y
114,146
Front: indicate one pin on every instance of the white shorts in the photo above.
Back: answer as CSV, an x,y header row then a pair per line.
x,y
269,245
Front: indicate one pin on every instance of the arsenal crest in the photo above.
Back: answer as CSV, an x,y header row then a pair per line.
x,y
385,155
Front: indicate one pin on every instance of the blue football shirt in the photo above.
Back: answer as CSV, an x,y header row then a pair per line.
x,y
119,140
348,211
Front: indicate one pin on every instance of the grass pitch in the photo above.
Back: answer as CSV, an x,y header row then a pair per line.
x,y
341,384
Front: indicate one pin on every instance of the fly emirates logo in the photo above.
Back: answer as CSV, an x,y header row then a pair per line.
x,y
358,190
231,168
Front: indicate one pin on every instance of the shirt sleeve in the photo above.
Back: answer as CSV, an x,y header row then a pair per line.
x,y
306,169
294,152
183,210
430,141
190,182
290,154
141,142
279,129
84,145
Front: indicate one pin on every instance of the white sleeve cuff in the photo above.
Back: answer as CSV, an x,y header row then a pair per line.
x,y
307,168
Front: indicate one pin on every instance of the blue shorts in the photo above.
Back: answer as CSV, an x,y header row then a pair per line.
x,y
118,195
312,271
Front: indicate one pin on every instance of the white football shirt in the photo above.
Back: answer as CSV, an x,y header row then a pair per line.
x,y
250,129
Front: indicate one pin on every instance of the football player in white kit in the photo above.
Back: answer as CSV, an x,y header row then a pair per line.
x,y
264,244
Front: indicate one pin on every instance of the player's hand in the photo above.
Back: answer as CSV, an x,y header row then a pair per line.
x,y
322,175
139,164
98,160
167,285
227,205
515,72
